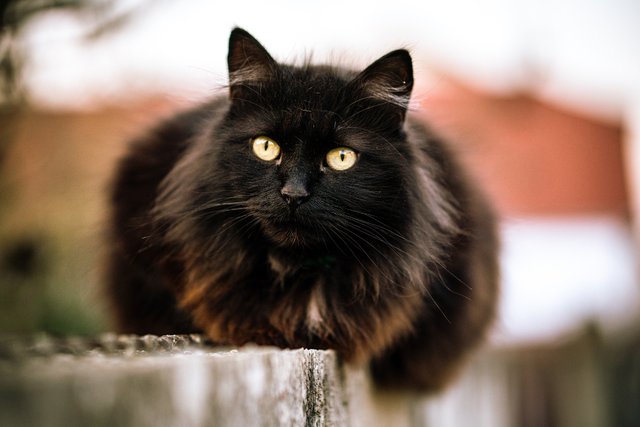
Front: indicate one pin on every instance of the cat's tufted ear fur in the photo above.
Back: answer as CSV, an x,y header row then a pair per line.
x,y
389,79
249,62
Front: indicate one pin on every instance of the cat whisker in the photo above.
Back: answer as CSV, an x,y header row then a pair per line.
x,y
420,260
352,238
209,214
426,291
217,246
341,238
355,238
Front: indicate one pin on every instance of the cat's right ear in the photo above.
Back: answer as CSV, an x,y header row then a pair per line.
x,y
249,62
390,80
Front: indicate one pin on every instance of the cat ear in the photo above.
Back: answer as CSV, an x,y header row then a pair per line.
x,y
389,79
248,61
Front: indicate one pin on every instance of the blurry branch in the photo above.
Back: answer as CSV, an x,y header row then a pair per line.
x,y
105,16
14,15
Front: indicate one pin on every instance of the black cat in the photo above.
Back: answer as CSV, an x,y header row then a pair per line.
x,y
306,210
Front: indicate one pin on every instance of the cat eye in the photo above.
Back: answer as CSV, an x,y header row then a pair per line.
x,y
341,158
265,148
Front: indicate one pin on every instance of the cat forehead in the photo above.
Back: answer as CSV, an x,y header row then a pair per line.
x,y
319,74
320,90
307,121
302,101
308,98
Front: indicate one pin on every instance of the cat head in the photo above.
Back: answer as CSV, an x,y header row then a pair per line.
x,y
314,156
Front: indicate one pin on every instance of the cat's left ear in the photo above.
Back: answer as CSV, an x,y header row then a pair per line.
x,y
389,79
249,63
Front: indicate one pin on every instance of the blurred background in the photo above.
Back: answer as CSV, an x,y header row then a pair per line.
x,y
540,98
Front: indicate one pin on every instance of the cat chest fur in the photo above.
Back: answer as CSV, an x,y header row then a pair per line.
x,y
316,304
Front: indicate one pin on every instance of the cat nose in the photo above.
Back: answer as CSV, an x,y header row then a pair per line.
x,y
294,194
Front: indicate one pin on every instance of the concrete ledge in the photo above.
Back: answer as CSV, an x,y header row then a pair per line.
x,y
180,381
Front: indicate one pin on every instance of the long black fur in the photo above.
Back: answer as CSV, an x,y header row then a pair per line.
x,y
391,262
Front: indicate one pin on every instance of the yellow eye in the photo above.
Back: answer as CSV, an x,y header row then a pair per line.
x,y
341,158
265,148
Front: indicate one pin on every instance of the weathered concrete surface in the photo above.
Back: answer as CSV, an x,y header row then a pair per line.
x,y
180,381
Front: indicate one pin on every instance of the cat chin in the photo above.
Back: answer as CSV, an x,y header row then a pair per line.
x,y
287,231
289,238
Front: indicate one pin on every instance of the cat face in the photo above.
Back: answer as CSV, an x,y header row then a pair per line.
x,y
317,153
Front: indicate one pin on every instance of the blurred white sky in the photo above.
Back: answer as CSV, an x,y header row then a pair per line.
x,y
584,54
